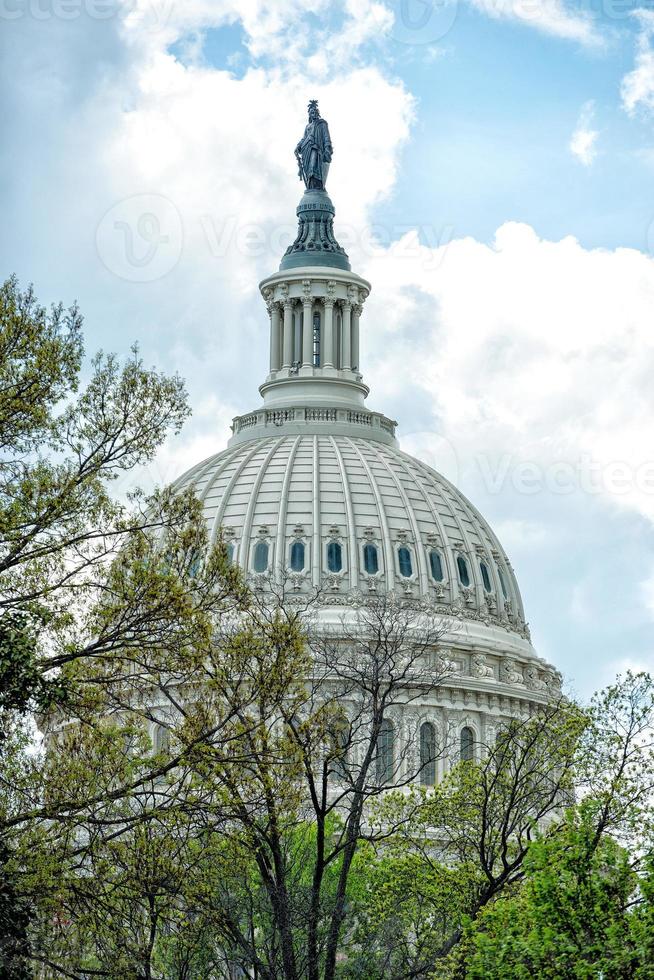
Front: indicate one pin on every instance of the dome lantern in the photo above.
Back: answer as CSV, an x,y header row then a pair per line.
x,y
314,303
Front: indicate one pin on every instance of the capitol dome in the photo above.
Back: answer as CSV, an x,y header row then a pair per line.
x,y
314,494
347,514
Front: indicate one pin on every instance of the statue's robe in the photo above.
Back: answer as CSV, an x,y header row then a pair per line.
x,y
315,151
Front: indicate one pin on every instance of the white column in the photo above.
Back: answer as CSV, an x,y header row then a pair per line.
x,y
346,338
307,325
328,348
275,337
288,334
356,313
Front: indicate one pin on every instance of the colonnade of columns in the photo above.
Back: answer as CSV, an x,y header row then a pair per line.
x,y
314,332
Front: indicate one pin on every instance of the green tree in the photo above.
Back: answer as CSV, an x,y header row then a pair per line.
x,y
574,915
62,446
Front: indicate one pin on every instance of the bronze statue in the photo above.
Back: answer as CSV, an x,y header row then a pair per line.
x,y
314,151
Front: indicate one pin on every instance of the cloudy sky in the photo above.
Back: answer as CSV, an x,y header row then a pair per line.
x,y
494,179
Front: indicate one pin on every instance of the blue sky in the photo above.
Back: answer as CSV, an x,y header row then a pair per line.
x,y
494,179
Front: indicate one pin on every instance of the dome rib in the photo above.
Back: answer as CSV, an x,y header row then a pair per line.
x,y
455,585
315,513
217,521
280,549
445,549
213,479
353,562
418,546
252,502
387,544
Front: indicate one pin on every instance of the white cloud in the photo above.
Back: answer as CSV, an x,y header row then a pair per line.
x,y
536,350
637,89
283,31
583,142
552,17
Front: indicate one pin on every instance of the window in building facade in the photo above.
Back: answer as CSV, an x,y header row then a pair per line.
x,y
464,574
370,559
297,556
261,556
404,561
436,566
385,751
485,577
467,744
334,556
427,754
316,339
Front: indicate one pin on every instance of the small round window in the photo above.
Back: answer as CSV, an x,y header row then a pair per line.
x,y
464,574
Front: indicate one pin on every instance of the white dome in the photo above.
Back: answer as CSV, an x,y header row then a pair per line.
x,y
314,493
428,541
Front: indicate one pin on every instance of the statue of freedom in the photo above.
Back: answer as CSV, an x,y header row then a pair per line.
x,y
314,151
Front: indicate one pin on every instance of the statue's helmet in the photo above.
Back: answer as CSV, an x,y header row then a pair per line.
x,y
313,105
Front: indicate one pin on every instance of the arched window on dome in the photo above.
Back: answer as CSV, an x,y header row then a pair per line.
x,y
341,741
436,566
194,563
161,739
316,339
404,561
502,578
261,550
370,558
385,752
464,574
485,577
334,556
467,745
231,551
297,556
427,754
